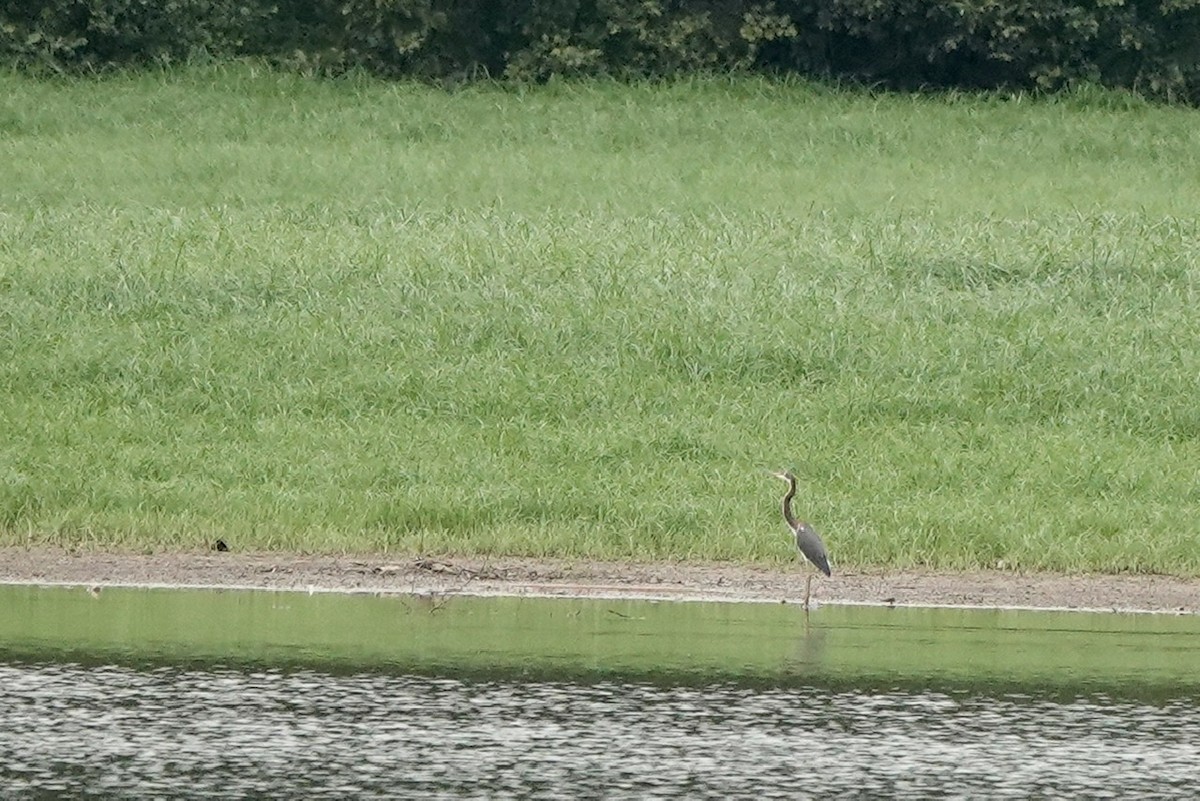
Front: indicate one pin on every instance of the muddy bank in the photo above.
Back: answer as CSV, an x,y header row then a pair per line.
x,y
582,578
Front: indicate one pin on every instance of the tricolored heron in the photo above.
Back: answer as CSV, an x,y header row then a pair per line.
x,y
807,540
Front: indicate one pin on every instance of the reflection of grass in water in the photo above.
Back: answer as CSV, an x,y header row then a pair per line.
x,y
621,640
579,320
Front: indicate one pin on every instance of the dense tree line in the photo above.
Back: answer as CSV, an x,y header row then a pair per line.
x,y
1152,46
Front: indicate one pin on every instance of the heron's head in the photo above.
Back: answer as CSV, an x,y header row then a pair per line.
x,y
784,475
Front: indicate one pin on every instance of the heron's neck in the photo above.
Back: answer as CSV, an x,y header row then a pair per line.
x,y
787,504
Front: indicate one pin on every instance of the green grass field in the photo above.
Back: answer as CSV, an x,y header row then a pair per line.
x,y
582,320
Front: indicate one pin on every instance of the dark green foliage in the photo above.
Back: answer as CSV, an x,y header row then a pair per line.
x,y
1149,45
1152,46
94,34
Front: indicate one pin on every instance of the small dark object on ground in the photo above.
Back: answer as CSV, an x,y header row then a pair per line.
x,y
221,546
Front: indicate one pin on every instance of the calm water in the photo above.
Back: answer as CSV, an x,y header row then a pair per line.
x,y
138,694
124,732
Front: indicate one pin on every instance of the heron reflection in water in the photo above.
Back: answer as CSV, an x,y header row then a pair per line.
x,y
807,540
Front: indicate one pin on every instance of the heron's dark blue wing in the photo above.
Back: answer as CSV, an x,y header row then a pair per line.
x,y
811,546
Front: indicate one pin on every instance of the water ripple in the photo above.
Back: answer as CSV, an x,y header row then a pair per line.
x,y
118,732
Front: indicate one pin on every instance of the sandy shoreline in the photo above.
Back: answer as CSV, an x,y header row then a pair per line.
x,y
592,579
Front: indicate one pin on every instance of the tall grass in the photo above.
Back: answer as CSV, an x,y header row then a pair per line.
x,y
581,320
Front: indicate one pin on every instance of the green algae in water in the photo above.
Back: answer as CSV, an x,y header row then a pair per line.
x,y
577,639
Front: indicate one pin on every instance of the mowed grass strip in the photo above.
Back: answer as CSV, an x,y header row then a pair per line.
x,y
583,320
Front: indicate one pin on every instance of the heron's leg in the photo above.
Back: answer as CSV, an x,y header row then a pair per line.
x,y
807,588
